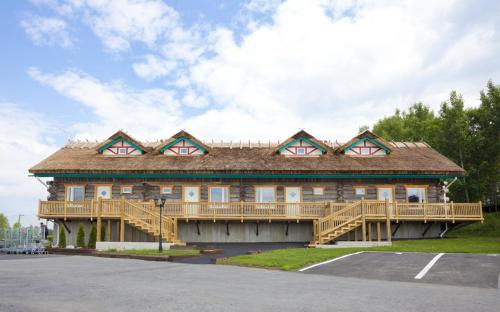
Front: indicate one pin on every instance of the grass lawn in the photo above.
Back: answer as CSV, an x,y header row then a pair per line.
x,y
474,238
154,252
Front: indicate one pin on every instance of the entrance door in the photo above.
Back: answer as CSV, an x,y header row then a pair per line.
x,y
384,193
192,198
292,199
103,191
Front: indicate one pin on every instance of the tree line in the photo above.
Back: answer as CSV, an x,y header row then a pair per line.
x,y
468,136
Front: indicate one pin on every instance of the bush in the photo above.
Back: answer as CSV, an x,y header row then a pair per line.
x,y
92,237
80,237
62,237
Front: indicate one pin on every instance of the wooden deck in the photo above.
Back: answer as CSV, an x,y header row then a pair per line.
x,y
330,219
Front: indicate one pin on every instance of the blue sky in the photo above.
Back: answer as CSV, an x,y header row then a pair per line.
x,y
249,70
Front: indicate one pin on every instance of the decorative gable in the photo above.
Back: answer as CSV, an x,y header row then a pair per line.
x,y
366,144
302,144
121,144
183,144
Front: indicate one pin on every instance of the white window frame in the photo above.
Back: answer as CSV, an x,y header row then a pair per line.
x,y
302,149
318,191
183,150
224,194
70,192
258,194
421,190
124,187
360,190
166,189
122,151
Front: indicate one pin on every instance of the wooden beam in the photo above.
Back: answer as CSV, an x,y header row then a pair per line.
x,y
378,232
122,222
363,230
388,220
99,211
108,232
369,231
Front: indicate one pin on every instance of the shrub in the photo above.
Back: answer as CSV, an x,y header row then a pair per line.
x,y
80,237
92,237
62,237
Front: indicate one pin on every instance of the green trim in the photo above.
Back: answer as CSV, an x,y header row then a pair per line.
x,y
382,146
100,150
322,149
181,139
244,175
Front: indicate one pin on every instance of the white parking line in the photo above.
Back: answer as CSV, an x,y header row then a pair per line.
x,y
428,266
328,261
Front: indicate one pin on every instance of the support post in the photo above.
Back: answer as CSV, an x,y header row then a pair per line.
x,y
452,212
481,210
122,222
369,231
378,232
363,230
108,232
425,211
65,209
388,221
99,212
356,234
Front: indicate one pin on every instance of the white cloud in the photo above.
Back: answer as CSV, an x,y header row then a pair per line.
x,y
153,67
47,31
25,142
150,113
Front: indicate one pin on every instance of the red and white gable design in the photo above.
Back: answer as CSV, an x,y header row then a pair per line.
x,y
183,148
301,148
365,148
121,148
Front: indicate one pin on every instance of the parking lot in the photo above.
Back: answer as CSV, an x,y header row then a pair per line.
x,y
471,270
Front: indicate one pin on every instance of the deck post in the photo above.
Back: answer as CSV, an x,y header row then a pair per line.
x,y
65,209
425,211
378,232
122,221
356,234
99,212
369,231
481,210
331,207
108,232
388,220
452,212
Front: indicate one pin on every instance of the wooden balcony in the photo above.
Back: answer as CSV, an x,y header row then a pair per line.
x,y
307,211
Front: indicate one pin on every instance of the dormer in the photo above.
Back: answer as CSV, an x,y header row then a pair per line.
x,y
121,144
301,144
365,144
183,144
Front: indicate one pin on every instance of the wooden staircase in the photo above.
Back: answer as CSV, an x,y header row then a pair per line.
x,y
329,228
148,221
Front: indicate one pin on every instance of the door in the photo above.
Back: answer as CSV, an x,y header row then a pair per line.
x,y
386,193
192,198
292,199
103,191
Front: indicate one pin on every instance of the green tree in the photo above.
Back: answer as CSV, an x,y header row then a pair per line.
x,y
80,237
62,237
4,225
92,237
16,225
391,128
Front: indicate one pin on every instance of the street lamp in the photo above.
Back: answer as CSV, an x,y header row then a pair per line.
x,y
160,202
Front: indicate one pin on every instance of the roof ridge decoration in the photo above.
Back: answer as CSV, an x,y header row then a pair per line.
x,y
176,145
376,146
313,146
124,137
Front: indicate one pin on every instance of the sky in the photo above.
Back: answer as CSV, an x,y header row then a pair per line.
x,y
224,70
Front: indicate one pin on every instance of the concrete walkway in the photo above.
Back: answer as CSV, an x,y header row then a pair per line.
x,y
78,283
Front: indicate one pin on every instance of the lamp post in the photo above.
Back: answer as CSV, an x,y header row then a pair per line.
x,y
160,202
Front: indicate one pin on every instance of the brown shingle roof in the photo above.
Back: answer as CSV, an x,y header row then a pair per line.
x,y
404,158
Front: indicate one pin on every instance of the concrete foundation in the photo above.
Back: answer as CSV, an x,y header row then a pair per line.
x,y
248,232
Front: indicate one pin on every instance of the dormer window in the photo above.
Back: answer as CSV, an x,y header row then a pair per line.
x,y
183,144
121,144
301,151
183,150
122,151
301,144
365,144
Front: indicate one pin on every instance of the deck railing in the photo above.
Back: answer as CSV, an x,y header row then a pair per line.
x,y
111,208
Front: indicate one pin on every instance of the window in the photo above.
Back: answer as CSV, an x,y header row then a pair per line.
x,y
75,192
219,194
365,151
264,194
415,194
166,189
318,191
122,151
183,150
360,191
301,151
126,189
